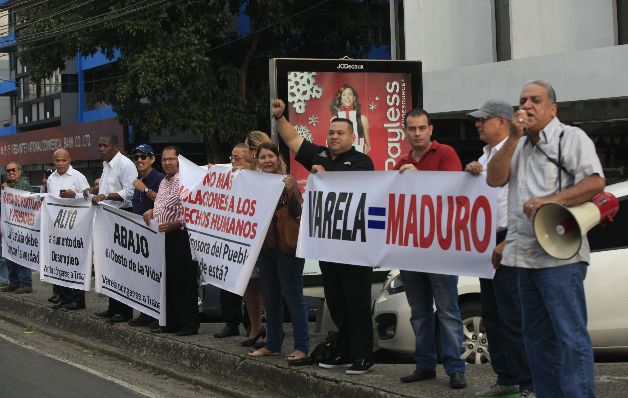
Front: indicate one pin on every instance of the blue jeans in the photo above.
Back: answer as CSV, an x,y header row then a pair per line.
x,y
423,290
555,330
282,274
501,315
19,275
4,270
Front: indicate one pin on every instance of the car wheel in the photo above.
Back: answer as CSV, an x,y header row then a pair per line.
x,y
475,343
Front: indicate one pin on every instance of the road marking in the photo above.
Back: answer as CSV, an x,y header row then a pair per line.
x,y
83,368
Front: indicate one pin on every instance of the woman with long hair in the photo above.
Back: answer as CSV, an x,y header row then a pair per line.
x,y
253,295
346,105
282,272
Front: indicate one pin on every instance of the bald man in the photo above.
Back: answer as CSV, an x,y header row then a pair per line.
x,y
66,182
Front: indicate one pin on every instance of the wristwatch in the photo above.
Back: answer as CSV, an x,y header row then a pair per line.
x,y
146,190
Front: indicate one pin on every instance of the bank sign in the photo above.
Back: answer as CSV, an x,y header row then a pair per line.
x,y
430,221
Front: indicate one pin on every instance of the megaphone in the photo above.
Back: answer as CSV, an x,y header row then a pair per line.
x,y
559,229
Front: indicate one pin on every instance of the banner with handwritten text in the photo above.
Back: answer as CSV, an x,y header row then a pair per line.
x,y
20,227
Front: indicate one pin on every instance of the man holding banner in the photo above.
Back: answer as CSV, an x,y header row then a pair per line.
x,y
347,287
181,271
501,305
424,289
20,279
545,161
66,182
115,189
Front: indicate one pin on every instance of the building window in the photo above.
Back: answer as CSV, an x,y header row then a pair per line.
x,y
502,30
622,22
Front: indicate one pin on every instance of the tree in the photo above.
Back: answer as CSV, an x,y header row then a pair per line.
x,y
183,65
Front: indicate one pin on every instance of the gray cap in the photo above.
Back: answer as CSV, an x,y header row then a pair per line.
x,y
493,108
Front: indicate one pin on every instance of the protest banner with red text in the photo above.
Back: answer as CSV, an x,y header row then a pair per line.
x,y
20,227
129,261
66,242
430,221
227,214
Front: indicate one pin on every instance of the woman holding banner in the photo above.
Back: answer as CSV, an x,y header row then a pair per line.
x,y
282,272
253,296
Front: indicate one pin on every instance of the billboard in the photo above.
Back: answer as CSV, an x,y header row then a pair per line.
x,y
373,94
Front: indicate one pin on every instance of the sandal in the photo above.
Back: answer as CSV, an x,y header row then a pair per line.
x,y
298,358
262,352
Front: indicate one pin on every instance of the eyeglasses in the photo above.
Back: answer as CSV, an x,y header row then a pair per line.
x,y
236,158
12,170
165,160
142,156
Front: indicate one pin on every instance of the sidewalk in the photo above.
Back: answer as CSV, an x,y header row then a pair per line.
x,y
205,359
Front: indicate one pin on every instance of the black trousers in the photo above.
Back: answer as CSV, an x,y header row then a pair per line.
x,y
181,283
348,296
231,308
69,295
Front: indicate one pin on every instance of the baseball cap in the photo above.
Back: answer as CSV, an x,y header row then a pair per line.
x,y
493,108
145,148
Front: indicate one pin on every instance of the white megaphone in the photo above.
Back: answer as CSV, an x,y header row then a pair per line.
x,y
559,229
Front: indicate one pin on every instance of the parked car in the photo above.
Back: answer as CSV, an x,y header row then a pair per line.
x,y
605,288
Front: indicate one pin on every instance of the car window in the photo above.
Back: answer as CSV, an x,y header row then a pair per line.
x,y
613,235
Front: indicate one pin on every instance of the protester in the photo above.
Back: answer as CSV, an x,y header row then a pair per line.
x,y
181,272
347,287
424,289
253,295
282,272
231,303
501,306
146,187
20,277
66,182
115,189
548,162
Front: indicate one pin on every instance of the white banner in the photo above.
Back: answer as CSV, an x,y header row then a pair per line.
x,y
66,242
439,222
227,214
129,261
20,227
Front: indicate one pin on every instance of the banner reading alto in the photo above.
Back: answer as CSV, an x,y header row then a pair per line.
x,y
66,242
129,259
430,221
21,227
227,214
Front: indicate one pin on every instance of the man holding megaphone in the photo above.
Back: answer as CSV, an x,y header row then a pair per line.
x,y
545,161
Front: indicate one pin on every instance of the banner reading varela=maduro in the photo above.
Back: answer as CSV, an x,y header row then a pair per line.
x,y
227,214
429,221
21,227
66,242
129,261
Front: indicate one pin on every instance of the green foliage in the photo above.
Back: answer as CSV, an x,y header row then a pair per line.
x,y
183,66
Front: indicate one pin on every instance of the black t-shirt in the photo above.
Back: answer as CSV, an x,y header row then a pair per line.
x,y
141,201
310,154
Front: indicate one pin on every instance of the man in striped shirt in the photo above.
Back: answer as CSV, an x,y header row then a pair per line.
x,y
181,271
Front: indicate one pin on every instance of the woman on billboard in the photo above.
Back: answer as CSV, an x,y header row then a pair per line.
x,y
346,105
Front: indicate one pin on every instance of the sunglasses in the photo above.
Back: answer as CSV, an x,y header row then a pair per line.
x,y
142,156
11,170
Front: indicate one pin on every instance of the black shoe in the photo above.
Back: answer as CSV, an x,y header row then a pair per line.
x,y
418,375
104,314
262,342
457,380
117,318
360,366
228,331
160,330
187,332
337,362
154,325
56,305
73,306
141,320
54,298
251,342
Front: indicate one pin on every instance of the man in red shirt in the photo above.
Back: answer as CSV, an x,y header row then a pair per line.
x,y
423,289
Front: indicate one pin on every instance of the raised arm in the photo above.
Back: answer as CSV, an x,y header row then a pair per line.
x,y
287,132
498,168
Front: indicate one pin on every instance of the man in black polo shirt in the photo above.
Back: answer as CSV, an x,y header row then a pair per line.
x,y
347,287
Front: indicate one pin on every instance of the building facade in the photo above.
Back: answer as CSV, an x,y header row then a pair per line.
x,y
472,51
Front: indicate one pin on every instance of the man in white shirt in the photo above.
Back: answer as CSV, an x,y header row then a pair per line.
x,y
501,305
116,189
66,182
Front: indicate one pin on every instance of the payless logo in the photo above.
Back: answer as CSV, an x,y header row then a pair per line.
x,y
337,215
